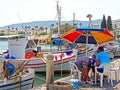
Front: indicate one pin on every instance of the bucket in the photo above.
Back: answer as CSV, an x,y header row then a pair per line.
x,y
75,83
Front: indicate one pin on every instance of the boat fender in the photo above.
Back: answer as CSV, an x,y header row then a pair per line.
x,y
29,55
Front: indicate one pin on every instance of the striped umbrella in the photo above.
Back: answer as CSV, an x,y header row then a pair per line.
x,y
88,36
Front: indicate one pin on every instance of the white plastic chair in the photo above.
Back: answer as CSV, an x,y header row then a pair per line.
x,y
73,70
106,71
115,66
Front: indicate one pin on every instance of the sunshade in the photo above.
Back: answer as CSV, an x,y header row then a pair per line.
x,y
88,36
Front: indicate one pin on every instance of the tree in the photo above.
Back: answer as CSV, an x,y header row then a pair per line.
x,y
36,26
80,24
109,23
89,16
32,29
46,29
16,30
66,27
21,32
103,23
8,30
41,28
51,27
12,28
75,25
63,28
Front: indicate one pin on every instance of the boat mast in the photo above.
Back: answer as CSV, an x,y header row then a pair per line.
x,y
73,20
59,17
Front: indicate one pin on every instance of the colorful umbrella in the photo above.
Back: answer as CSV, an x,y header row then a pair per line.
x,y
88,36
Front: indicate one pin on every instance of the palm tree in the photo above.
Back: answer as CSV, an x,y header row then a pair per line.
x,y
89,16
16,30
41,29
8,30
28,27
80,24
46,29
36,26
12,28
52,27
75,25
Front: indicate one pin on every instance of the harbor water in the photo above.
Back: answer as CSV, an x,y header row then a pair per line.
x,y
41,77
3,45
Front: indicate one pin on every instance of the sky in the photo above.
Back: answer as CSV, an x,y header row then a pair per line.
x,y
19,11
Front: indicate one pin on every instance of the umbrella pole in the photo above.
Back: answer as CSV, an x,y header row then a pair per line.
x,y
86,43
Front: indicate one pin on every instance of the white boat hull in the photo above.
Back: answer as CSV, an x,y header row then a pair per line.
x,y
40,66
25,83
59,65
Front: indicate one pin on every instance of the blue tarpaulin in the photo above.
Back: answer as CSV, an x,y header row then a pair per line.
x,y
58,41
68,52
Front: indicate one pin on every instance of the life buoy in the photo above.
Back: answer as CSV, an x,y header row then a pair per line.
x,y
11,67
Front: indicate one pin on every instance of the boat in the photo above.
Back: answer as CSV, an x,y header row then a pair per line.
x,y
14,77
61,62
17,50
44,39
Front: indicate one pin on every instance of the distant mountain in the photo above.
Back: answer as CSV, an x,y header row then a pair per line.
x,y
48,23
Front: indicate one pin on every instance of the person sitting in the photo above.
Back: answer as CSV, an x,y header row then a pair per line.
x,y
83,65
101,58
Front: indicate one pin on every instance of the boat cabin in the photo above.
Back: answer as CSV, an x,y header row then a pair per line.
x,y
44,39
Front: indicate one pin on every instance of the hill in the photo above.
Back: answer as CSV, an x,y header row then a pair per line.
x,y
48,23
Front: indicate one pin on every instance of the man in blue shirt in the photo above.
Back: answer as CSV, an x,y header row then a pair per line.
x,y
101,58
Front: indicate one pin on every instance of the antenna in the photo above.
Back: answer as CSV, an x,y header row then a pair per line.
x,y
19,17
21,22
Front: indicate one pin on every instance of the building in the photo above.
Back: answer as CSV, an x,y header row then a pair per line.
x,y
116,24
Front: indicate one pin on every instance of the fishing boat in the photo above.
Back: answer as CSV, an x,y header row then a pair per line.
x,y
44,39
17,50
14,77
61,62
